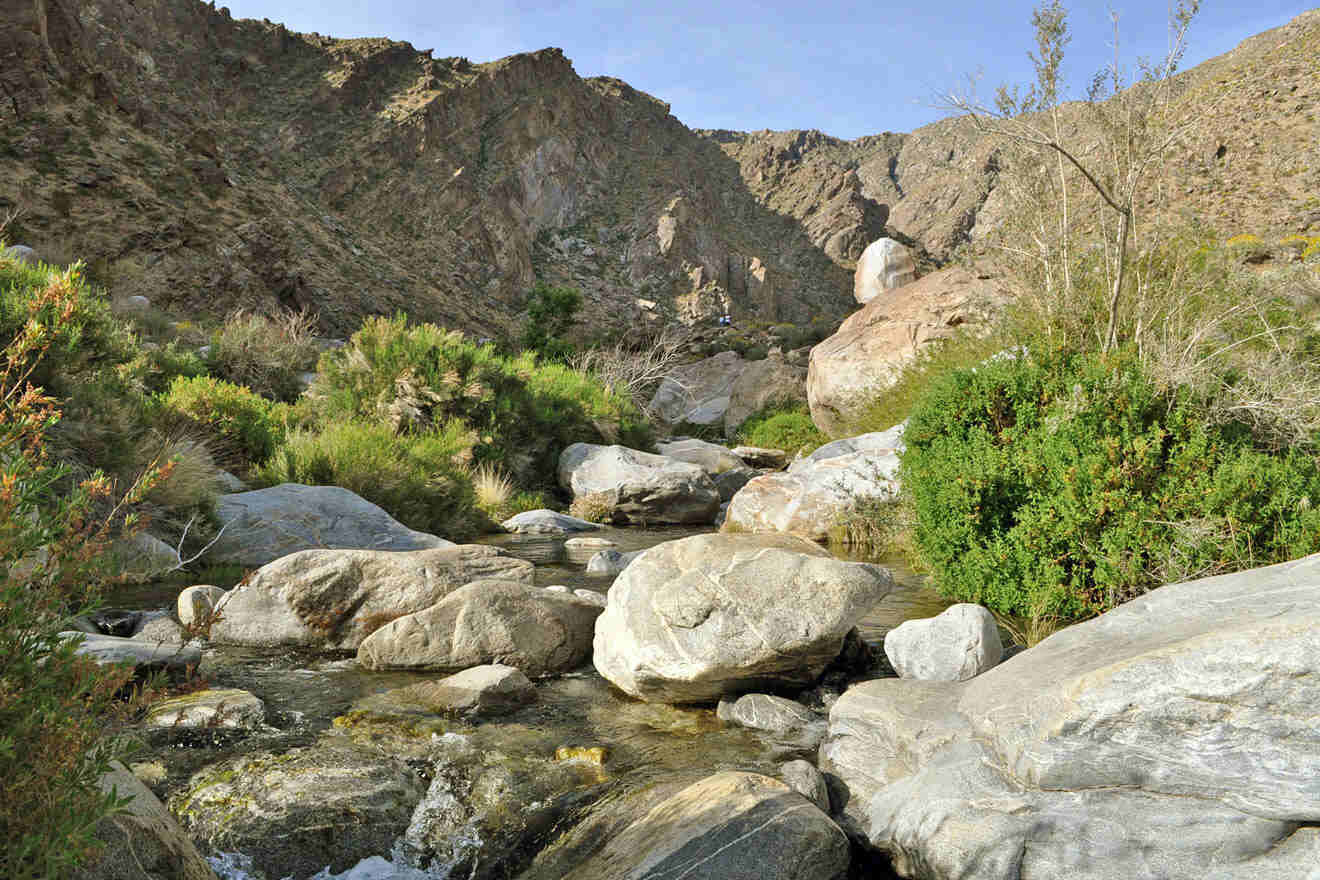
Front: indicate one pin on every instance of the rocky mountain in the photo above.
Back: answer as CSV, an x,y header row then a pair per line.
x,y
210,163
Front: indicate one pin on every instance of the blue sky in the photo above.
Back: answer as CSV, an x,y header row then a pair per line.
x,y
847,68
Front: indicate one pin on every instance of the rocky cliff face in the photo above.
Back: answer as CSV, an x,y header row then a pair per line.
x,y
1247,160
210,163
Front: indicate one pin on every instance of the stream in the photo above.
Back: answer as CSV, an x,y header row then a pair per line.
x,y
305,692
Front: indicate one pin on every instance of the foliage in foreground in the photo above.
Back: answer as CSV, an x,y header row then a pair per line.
x,y
1061,484
53,703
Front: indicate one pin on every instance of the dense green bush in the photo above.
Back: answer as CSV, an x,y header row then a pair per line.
x,y
420,478
265,354
243,426
782,426
550,314
1059,485
524,412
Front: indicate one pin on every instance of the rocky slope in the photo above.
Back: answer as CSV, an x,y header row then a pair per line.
x,y
1248,159
210,163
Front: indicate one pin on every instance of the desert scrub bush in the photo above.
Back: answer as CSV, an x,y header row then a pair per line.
x,y
421,479
497,496
54,705
524,411
597,507
782,426
265,353
1058,485
550,314
243,427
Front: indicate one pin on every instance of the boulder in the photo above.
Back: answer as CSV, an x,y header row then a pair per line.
x,y
481,690
610,562
775,715
697,393
1164,738
144,841
731,826
879,443
817,491
806,780
158,627
730,482
710,457
883,266
196,604
595,598
489,621
333,599
211,708
265,524
589,545
21,253
871,348
143,556
547,522
760,457
639,485
297,812
173,658
958,644
776,380
712,616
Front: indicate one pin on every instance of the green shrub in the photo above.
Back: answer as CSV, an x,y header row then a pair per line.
x,y
783,426
550,314
420,479
243,426
524,412
266,354
54,705
1060,485
154,369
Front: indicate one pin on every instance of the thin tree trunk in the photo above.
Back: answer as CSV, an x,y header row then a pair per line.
x,y
1124,223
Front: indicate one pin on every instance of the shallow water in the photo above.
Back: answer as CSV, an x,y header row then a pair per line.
x,y
304,692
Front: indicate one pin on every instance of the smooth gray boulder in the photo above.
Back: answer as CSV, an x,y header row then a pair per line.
x,y
158,627
196,604
144,841
595,598
211,708
538,631
774,381
174,658
493,689
22,253
698,393
639,486
263,525
775,715
958,644
731,826
883,266
879,443
803,777
333,599
712,458
817,491
1173,736
610,562
143,556
712,616
731,482
547,522
296,812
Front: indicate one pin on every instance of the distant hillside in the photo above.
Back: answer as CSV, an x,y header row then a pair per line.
x,y
210,163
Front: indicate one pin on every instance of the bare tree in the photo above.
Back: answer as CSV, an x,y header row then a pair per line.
x,y
1132,121
635,370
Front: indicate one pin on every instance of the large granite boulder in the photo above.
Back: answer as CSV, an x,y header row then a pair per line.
x,y
815,492
639,486
883,266
959,643
212,708
547,522
712,458
536,630
872,346
333,599
175,659
487,690
773,381
1173,736
295,813
779,716
196,604
730,826
144,841
712,616
262,525
697,393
